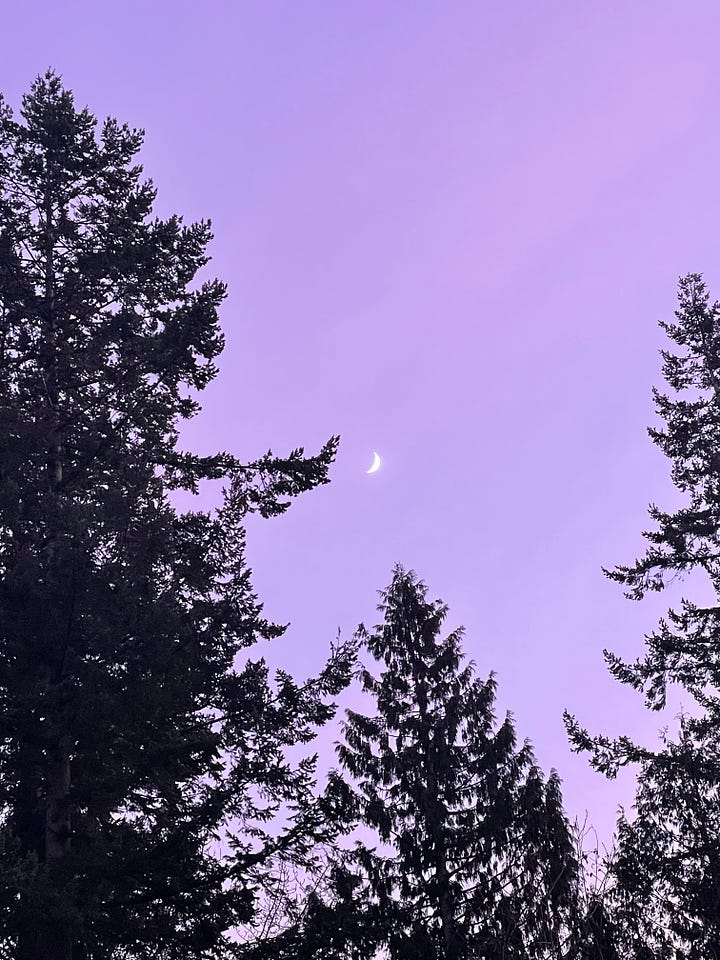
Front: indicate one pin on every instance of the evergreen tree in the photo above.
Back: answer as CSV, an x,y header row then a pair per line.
x,y
667,864
475,857
136,737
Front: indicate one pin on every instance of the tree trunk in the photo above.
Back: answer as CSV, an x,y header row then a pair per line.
x,y
56,940
445,904
57,809
52,936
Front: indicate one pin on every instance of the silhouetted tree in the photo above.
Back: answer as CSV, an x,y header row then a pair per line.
x,y
666,870
593,928
475,856
322,916
136,738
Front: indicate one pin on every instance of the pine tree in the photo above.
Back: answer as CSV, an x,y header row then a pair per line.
x,y
136,735
475,857
667,863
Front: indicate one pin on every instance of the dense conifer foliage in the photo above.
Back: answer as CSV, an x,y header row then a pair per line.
x,y
474,856
667,866
134,730
461,849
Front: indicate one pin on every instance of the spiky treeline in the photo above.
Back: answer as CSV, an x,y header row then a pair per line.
x,y
476,857
667,867
132,735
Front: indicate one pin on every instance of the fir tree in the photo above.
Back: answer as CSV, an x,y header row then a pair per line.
x,y
135,734
667,863
475,857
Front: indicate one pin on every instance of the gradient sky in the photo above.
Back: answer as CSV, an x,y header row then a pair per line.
x,y
449,230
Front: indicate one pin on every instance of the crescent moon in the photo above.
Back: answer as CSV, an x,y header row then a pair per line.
x,y
376,463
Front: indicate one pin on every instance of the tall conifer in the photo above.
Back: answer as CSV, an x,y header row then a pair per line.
x,y
667,864
475,856
135,734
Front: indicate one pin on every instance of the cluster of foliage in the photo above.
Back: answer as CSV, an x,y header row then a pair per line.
x,y
152,803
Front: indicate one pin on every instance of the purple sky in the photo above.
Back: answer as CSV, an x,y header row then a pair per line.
x,y
449,230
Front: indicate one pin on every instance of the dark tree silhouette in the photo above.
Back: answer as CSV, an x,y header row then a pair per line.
x,y
667,864
475,857
135,734
316,917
